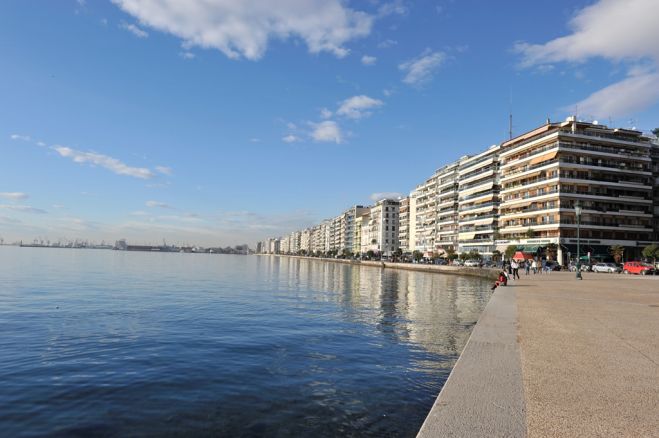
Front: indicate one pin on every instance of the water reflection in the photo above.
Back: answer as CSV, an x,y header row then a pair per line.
x,y
433,311
112,343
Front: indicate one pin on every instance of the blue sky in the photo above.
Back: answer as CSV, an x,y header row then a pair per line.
x,y
222,122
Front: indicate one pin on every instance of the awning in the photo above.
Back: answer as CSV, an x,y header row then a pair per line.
x,y
519,255
528,248
466,236
544,157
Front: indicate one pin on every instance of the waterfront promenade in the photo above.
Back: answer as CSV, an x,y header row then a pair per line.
x,y
554,356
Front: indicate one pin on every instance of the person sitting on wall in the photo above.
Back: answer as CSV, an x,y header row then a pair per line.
x,y
502,280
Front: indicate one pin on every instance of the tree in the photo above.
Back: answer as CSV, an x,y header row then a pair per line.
x,y
496,255
473,255
530,234
510,251
655,131
451,254
651,252
370,254
417,255
551,251
347,253
617,252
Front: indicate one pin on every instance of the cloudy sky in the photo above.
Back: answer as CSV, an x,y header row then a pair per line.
x,y
220,122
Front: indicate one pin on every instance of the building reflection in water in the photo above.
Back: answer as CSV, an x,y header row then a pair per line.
x,y
434,312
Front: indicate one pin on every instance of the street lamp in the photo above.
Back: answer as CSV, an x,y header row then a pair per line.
x,y
577,212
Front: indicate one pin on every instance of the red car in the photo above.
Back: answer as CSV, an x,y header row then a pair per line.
x,y
637,268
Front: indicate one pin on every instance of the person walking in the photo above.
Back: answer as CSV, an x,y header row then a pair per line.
x,y
515,267
534,266
543,263
527,267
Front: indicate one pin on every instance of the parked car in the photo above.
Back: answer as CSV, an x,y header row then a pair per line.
x,y
441,262
585,267
638,268
554,266
606,267
474,263
458,262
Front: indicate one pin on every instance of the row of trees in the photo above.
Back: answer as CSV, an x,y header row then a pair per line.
x,y
551,252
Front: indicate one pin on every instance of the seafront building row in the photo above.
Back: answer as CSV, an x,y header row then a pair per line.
x,y
520,192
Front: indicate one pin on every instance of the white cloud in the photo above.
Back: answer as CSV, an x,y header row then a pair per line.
x,y
611,29
20,137
157,204
387,43
628,96
420,70
112,164
244,28
187,55
619,31
375,197
390,8
357,107
23,209
14,196
135,30
325,113
326,131
369,60
41,143
290,138
164,170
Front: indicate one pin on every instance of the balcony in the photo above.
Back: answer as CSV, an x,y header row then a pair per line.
x,y
477,206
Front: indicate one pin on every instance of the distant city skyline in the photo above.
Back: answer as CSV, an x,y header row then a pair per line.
x,y
153,120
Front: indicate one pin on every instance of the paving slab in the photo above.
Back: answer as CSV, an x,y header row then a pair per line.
x,y
590,354
484,396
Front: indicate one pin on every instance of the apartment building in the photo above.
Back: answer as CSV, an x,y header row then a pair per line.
x,y
478,202
426,216
447,209
305,240
382,236
404,225
545,172
654,155
360,239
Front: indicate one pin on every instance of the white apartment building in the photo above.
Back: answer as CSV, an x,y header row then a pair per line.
x,y
478,202
545,172
404,225
426,216
447,209
383,223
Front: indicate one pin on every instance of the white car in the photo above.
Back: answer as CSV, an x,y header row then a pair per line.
x,y
606,267
473,263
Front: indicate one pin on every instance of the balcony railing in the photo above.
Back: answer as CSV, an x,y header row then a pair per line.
x,y
489,168
474,207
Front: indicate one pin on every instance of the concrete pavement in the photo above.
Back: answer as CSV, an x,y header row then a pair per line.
x,y
589,357
590,354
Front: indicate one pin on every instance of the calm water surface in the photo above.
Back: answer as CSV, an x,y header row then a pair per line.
x,y
109,343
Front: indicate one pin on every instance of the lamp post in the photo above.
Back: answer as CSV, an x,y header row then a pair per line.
x,y
577,212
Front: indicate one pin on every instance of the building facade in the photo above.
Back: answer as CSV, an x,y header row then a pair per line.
x,y
478,202
545,172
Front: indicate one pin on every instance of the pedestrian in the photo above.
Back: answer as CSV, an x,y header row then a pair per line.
x,y
534,266
502,280
544,266
515,267
527,267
